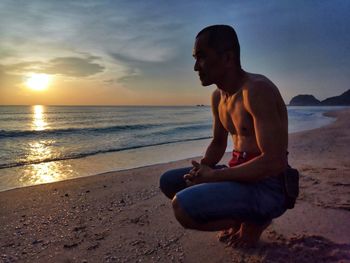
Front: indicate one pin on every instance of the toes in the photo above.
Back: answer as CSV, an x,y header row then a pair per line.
x,y
223,235
226,235
233,239
238,241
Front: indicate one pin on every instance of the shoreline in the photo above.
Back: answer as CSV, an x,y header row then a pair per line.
x,y
122,216
93,165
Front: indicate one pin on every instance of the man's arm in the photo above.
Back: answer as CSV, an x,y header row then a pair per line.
x,y
217,146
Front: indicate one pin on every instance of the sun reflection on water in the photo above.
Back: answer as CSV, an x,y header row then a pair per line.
x,y
38,123
47,172
43,150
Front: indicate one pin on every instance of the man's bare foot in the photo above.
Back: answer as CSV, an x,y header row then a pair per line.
x,y
247,236
225,235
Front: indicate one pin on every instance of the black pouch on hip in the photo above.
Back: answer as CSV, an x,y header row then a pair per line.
x,y
291,186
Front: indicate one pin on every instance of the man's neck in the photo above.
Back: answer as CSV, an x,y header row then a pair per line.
x,y
232,82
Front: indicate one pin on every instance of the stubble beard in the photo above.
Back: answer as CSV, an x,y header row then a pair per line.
x,y
206,82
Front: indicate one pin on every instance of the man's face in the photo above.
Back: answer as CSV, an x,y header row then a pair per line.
x,y
209,64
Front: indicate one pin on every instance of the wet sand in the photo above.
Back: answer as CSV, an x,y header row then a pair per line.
x,y
123,217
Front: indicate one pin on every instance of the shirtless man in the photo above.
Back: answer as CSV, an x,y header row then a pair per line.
x,y
243,198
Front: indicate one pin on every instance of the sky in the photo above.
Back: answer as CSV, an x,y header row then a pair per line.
x,y
99,52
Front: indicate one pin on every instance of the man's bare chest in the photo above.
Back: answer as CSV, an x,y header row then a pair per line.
x,y
235,118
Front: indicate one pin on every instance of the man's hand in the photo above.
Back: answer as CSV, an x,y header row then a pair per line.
x,y
200,173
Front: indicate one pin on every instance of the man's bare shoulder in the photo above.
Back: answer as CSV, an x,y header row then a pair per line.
x,y
259,90
259,83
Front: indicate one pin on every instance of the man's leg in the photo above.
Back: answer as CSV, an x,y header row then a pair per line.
x,y
217,206
271,203
238,234
187,222
172,181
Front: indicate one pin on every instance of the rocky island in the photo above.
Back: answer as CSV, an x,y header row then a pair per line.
x,y
310,100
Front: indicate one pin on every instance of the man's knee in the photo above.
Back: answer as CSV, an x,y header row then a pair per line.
x,y
165,185
184,219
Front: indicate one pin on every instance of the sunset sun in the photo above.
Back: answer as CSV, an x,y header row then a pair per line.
x,y
38,81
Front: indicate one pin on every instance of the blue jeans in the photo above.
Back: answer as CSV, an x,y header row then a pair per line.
x,y
257,203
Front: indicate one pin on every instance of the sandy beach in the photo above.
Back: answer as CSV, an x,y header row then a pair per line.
x,y
123,216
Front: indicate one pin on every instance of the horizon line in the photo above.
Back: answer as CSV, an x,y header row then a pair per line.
x,y
109,105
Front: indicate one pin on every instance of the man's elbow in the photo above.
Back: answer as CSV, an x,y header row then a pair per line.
x,y
219,142
275,164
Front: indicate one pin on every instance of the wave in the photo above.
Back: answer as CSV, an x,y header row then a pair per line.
x,y
193,127
81,155
109,129
21,133
181,129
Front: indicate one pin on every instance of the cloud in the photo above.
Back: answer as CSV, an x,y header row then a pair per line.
x,y
8,80
130,61
135,68
66,66
6,53
144,35
118,26
73,66
19,68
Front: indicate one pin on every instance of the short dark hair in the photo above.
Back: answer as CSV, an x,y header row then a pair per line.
x,y
223,38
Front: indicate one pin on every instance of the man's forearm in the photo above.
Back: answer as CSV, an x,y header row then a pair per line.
x,y
214,153
251,171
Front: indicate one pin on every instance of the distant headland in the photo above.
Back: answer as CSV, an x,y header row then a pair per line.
x,y
310,100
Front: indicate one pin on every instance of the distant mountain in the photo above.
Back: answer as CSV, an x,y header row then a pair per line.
x,y
343,99
310,100
304,100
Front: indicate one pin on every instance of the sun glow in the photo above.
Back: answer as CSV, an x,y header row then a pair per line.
x,y
38,81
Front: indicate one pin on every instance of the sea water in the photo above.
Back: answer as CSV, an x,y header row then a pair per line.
x,y
40,144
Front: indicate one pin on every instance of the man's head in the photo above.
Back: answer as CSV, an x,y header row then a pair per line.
x,y
216,50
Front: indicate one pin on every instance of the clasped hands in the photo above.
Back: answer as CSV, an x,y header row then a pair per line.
x,y
200,173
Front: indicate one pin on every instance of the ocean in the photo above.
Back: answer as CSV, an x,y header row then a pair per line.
x,y
40,144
